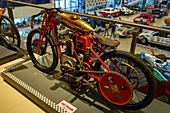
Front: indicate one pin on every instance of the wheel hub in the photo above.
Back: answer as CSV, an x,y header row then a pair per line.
x,y
35,42
116,88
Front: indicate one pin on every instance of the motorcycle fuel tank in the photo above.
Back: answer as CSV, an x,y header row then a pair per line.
x,y
75,21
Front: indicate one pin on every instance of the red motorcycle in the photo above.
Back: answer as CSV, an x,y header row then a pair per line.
x,y
9,35
116,74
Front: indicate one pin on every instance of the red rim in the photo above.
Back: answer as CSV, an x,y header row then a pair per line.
x,y
115,88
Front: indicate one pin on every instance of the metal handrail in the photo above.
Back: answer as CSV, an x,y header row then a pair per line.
x,y
99,18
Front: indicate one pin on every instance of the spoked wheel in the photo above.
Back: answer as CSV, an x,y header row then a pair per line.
x,y
138,74
9,33
46,59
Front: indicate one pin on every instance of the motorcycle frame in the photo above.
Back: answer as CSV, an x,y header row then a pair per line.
x,y
50,22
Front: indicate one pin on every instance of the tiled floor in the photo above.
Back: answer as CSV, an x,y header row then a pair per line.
x,y
11,101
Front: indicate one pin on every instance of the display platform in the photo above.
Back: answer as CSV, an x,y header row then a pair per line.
x,y
7,55
48,92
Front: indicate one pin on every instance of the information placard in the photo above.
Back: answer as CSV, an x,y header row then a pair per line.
x,y
65,106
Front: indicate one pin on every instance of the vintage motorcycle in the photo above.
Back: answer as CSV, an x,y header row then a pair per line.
x,y
116,74
9,35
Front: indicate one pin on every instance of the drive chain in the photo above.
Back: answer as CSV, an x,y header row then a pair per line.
x,y
71,69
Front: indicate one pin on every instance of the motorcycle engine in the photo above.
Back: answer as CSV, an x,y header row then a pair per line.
x,y
70,61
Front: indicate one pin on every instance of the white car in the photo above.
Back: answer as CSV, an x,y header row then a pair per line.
x,y
110,11
125,11
155,37
124,30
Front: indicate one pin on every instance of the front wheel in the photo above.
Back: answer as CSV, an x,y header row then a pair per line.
x,y
9,33
144,41
136,71
46,58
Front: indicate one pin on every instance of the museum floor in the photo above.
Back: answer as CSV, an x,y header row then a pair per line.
x,y
12,101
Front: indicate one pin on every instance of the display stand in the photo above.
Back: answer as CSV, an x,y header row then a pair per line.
x,y
8,55
48,92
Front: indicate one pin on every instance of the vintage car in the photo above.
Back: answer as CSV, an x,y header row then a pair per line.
x,y
124,30
110,11
158,13
167,22
138,6
150,8
125,11
158,38
144,18
162,73
158,61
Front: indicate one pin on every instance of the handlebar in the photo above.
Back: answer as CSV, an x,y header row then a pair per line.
x,y
53,10
32,18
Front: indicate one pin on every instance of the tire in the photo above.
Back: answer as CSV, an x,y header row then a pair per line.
x,y
46,61
149,23
144,41
8,28
127,35
167,48
155,19
117,14
146,77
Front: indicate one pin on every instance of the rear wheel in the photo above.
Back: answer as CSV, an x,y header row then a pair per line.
x,y
144,41
137,72
46,59
9,33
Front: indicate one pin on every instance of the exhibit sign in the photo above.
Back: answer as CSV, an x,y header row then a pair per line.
x,y
66,107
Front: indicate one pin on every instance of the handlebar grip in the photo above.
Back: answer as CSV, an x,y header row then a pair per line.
x,y
32,25
37,15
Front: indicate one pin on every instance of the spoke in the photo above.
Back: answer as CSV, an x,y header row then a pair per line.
x,y
48,61
144,82
142,77
132,101
43,61
141,85
50,55
139,95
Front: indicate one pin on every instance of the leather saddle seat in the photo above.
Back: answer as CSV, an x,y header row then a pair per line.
x,y
106,41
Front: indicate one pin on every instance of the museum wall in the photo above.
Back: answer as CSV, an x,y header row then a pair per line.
x,y
26,11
